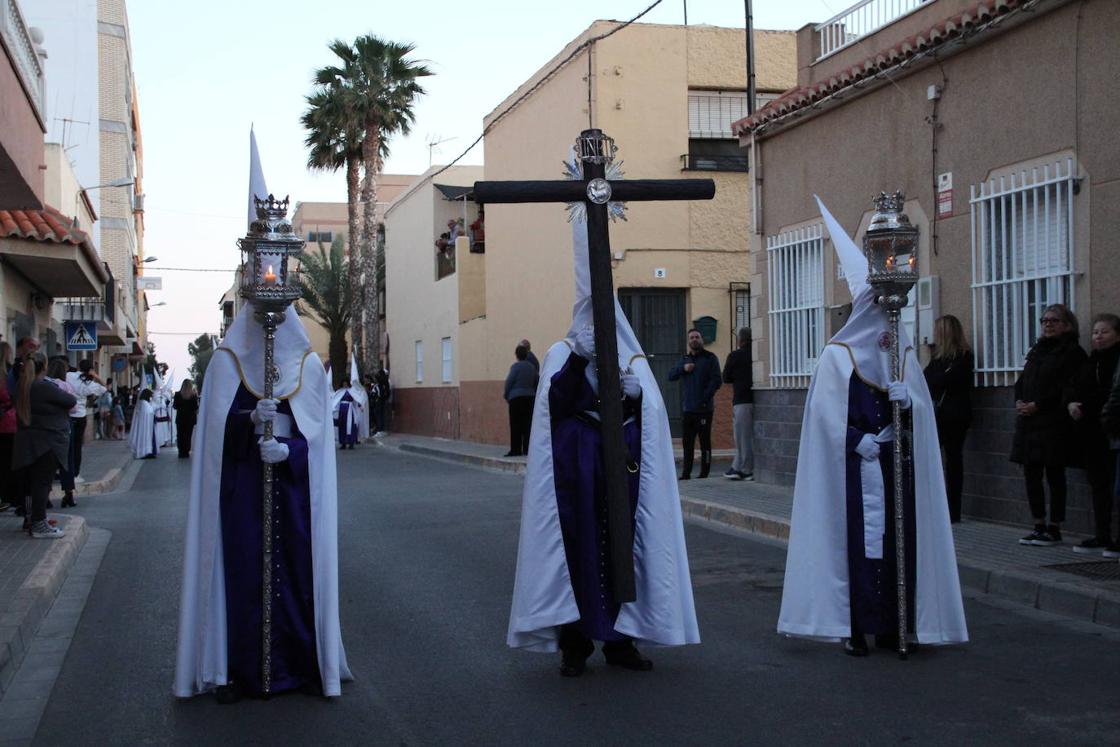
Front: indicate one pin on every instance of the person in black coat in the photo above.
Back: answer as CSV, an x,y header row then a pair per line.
x,y
699,374
949,376
186,415
1043,428
1085,399
42,442
520,392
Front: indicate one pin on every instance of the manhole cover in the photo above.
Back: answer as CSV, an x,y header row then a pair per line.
x,y
1098,570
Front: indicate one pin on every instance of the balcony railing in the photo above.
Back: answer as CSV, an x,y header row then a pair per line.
x,y
695,162
17,40
860,20
86,310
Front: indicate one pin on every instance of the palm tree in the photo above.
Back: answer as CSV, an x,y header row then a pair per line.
x,y
326,300
372,92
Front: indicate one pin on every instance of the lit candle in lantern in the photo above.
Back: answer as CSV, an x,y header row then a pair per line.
x,y
890,263
911,262
269,276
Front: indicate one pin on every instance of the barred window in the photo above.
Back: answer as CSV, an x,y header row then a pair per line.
x,y
419,362
796,284
1022,261
448,365
710,113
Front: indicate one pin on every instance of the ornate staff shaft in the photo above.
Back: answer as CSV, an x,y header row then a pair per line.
x,y
899,495
270,321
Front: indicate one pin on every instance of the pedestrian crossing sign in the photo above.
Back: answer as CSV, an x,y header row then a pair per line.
x,y
80,335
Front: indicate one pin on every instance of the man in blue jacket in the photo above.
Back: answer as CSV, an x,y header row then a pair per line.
x,y
699,373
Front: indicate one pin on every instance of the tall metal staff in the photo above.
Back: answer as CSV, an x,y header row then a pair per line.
x,y
891,246
270,286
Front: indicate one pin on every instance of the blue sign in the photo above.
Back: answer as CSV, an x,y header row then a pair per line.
x,y
80,335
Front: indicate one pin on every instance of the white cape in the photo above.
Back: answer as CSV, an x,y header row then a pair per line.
x,y
201,658
357,412
142,432
165,430
663,612
815,597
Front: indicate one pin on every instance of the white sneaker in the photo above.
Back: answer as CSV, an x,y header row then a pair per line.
x,y
79,480
43,530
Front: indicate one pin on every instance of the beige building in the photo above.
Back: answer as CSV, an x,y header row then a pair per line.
x,y
430,293
998,120
667,95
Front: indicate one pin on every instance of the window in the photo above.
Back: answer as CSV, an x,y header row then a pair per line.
x,y
710,113
448,365
419,362
326,237
796,283
705,154
1022,261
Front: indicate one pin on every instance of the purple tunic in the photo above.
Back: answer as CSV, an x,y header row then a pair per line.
x,y
872,581
581,495
347,431
294,659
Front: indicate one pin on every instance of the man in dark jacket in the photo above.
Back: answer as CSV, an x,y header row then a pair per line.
x,y
698,372
520,391
737,372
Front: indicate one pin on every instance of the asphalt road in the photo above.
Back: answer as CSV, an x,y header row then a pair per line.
x,y
427,558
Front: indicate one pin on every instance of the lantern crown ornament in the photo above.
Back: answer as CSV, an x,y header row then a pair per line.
x,y
891,247
269,272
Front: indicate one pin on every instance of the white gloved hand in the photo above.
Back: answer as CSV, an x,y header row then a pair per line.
x,y
584,343
897,392
631,387
867,448
272,451
264,412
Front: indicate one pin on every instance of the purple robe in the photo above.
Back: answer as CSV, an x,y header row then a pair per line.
x,y
294,659
872,582
581,493
347,430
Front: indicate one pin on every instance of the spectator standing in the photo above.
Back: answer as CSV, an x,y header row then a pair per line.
x,y
384,399
1086,398
8,492
57,371
1043,428
738,372
186,414
42,442
520,390
949,377
699,374
83,383
529,354
104,412
20,489
118,415
1110,424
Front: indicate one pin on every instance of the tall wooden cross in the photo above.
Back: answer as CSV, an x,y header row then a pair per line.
x,y
595,151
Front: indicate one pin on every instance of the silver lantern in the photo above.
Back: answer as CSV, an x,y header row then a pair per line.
x,y
269,283
891,247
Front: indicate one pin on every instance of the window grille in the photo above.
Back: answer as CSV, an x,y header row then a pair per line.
x,y
419,362
796,284
445,344
1022,261
325,237
710,113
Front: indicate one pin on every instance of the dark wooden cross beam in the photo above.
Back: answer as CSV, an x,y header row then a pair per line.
x,y
595,151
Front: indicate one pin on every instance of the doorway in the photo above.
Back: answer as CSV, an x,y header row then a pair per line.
x,y
657,316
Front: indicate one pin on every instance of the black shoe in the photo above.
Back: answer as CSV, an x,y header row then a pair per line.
x,y
572,664
1091,546
1055,534
685,477
856,646
624,654
1032,538
733,474
228,694
68,501
748,476
512,454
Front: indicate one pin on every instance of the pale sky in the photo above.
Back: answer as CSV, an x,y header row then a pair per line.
x,y
208,69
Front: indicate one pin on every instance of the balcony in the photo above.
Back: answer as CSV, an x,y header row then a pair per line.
x,y
21,99
862,19
17,41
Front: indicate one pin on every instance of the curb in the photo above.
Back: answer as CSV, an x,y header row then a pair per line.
x,y
503,465
106,484
35,597
1068,600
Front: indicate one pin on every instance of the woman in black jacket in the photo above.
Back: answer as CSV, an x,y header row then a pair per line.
x,y
42,442
186,415
1044,429
949,376
1085,398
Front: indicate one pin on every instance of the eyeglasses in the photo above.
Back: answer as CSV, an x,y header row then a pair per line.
x,y
1051,320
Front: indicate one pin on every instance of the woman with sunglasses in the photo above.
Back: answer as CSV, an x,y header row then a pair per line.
x,y
1043,428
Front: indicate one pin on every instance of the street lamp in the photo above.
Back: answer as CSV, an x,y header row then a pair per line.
x,y
123,182
150,259
161,303
891,246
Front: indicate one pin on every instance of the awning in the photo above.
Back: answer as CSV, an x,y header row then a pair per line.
x,y
58,259
451,192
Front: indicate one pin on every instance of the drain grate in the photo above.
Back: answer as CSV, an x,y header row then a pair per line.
x,y
1098,570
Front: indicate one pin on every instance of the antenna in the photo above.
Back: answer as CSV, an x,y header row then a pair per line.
x,y
433,145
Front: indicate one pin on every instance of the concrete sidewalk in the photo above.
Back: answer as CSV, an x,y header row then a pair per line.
x,y
990,559
32,571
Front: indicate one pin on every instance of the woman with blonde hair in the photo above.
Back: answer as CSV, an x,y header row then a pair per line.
x,y
42,442
949,376
1043,428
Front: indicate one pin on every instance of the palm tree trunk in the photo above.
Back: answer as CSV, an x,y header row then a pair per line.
x,y
370,315
355,241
